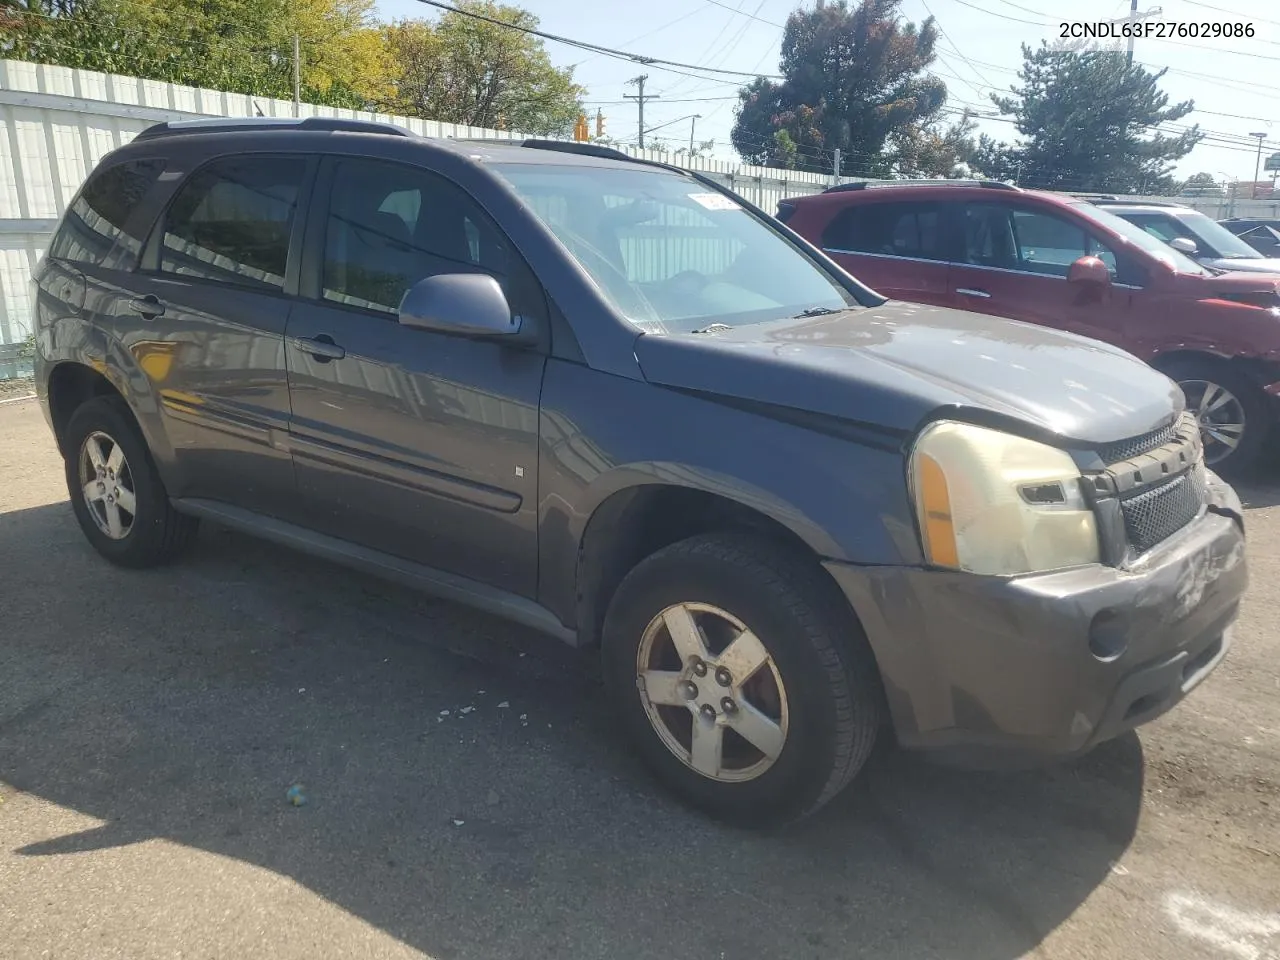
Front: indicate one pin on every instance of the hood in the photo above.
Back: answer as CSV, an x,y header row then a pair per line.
x,y
1256,289
895,365
1244,265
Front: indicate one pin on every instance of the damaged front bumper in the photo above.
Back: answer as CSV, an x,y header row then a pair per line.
x,y
1052,663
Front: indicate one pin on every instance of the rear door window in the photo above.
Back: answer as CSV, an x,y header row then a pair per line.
x,y
889,229
99,217
232,221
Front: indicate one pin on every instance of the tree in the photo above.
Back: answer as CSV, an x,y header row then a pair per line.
x,y
854,79
1090,121
936,150
244,46
463,70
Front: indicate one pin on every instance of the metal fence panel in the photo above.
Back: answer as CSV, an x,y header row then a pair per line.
x,y
56,123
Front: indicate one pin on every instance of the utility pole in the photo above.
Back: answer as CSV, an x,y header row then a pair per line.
x,y
693,125
640,97
297,75
835,165
1257,166
1133,17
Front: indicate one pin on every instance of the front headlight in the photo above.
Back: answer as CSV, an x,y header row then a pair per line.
x,y
989,502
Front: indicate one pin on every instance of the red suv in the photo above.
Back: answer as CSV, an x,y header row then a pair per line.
x,y
992,248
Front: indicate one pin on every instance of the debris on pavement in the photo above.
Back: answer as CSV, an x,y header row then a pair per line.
x,y
295,795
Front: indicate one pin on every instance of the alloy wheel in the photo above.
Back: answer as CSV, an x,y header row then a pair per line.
x,y
107,485
1220,415
712,692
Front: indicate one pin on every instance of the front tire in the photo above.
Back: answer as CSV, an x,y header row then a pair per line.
x,y
741,678
116,492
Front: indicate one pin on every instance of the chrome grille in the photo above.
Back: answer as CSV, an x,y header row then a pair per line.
x,y
1159,513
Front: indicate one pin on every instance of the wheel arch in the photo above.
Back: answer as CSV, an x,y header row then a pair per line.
x,y
640,518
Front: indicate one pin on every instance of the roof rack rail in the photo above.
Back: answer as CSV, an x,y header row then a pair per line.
x,y
871,185
1131,201
241,124
559,146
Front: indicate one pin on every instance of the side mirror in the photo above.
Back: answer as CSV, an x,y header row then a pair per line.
x,y
1089,270
1184,245
461,304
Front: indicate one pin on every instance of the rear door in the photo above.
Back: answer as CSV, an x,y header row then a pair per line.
x,y
898,248
209,306
1014,262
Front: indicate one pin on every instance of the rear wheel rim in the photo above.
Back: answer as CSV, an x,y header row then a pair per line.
x,y
1220,415
106,483
712,692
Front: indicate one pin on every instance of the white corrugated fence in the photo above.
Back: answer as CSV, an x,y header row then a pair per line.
x,y
56,123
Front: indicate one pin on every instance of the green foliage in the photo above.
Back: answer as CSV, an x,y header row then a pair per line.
x,y
243,46
855,79
456,69
463,70
1088,122
935,149
27,349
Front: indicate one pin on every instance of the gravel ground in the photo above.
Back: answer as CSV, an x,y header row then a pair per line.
x,y
151,723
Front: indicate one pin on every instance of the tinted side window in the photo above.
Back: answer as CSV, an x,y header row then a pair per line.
x,y
1029,241
232,220
1162,227
891,229
391,225
96,220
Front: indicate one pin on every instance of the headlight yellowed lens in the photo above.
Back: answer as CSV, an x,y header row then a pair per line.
x,y
993,503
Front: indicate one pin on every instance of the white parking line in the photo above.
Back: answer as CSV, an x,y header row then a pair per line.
x,y
25,396
1237,933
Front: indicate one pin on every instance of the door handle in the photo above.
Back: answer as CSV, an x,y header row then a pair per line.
x,y
322,347
147,307
973,292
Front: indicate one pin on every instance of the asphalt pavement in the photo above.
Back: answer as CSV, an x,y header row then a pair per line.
x,y
467,797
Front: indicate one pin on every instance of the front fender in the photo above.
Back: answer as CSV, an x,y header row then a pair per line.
x,y
600,435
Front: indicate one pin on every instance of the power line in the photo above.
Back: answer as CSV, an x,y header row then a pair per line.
x,y
1234,13
592,47
749,16
1001,16
1009,3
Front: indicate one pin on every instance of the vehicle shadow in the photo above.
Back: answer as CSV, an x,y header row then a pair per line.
x,y
183,703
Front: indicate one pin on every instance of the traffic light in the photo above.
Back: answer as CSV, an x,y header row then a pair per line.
x,y
580,132
600,123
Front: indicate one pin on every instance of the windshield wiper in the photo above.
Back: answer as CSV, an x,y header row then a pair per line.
x,y
814,312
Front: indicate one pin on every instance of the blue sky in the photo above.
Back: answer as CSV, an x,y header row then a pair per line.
x,y
1234,82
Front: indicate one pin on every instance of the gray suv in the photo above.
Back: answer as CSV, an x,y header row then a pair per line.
x,y
613,401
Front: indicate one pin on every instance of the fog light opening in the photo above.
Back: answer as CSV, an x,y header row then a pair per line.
x,y
1108,636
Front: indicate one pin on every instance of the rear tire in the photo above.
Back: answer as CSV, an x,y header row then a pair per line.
x,y
116,492
1235,409
801,680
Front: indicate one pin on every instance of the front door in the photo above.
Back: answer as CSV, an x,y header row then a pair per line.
x,y
1014,263
415,443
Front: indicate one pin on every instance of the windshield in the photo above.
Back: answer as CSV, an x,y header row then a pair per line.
x,y
1141,239
671,254
1212,235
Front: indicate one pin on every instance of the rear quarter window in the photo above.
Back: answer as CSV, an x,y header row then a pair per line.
x,y
101,216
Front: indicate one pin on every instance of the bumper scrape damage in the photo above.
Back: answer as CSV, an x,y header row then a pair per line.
x,y
988,669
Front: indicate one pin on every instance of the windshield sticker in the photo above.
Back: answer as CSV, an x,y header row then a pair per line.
x,y
714,201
